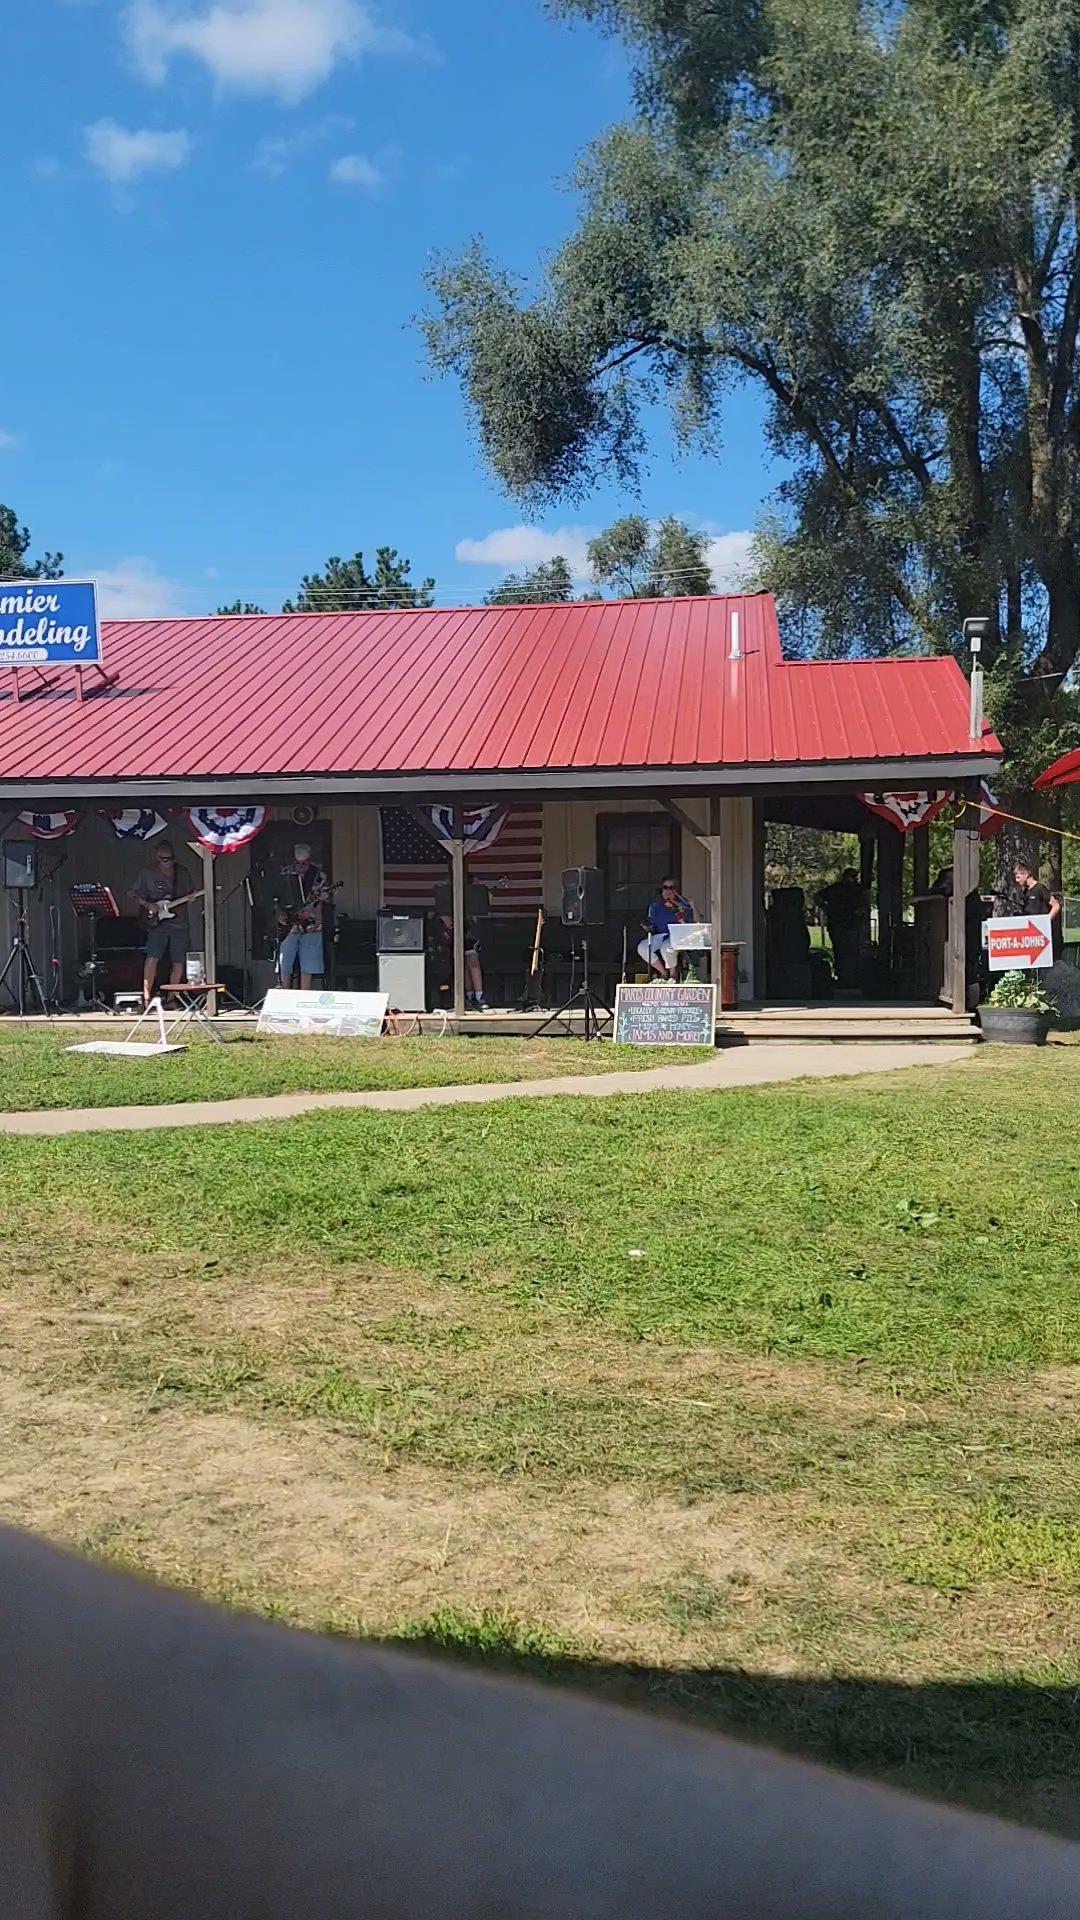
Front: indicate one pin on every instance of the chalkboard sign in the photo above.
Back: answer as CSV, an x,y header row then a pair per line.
x,y
665,1016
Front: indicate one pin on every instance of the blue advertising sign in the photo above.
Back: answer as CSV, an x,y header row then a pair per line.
x,y
49,623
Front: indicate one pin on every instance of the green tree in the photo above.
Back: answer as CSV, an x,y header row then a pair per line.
x,y
346,586
872,213
550,581
635,561
242,606
14,546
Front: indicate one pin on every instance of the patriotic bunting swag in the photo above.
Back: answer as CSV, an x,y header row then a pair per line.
x,y
49,826
906,811
483,826
225,829
136,823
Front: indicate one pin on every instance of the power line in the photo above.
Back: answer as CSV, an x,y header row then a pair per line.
x,y
447,596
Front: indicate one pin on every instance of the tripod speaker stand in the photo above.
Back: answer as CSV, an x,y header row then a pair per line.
x,y
584,1001
582,907
25,988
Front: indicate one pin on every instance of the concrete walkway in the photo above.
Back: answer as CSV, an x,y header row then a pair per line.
x,y
731,1067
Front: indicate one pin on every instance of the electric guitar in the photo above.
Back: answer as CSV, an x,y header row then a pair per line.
x,y
159,910
305,917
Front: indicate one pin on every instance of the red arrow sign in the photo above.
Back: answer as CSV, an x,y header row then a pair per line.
x,y
1024,944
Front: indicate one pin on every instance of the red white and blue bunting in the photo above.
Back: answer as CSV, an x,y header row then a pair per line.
x,y
136,823
225,829
49,826
483,826
906,811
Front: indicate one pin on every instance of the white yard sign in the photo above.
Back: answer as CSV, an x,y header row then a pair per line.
x,y
334,1016
1018,944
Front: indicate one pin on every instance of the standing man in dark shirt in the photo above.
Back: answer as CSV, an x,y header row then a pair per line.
x,y
166,940
842,905
1037,898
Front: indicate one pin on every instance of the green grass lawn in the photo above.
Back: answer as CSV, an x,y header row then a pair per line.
x,y
760,1404
36,1070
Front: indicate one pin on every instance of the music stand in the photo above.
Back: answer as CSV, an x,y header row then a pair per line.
x,y
92,902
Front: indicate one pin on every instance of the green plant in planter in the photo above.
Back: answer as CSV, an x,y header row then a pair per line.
x,y
1023,991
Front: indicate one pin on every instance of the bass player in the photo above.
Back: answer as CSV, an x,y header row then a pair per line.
x,y
165,939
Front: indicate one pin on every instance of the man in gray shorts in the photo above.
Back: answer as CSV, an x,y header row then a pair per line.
x,y
166,940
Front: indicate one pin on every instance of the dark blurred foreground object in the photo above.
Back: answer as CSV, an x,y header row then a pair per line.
x,y
158,1758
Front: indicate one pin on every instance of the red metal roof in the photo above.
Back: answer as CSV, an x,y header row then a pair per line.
x,y
594,685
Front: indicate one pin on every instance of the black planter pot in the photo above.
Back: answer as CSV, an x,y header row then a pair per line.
x,y
1014,1026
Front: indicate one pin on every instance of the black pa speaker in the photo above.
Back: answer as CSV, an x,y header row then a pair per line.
x,y
583,897
20,865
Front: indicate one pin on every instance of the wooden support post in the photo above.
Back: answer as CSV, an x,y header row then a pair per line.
x,y
965,880
890,891
760,832
457,876
715,900
209,924
867,849
920,861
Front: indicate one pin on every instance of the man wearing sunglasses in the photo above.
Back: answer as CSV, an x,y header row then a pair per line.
x,y
667,910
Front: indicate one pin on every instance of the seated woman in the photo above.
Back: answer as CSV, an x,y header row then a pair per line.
x,y
667,910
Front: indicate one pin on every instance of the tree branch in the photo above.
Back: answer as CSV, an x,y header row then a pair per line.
x,y
767,370
1046,258
1065,357
647,345
914,461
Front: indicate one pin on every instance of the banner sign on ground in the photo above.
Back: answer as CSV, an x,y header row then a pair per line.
x,y
1017,944
49,623
332,1016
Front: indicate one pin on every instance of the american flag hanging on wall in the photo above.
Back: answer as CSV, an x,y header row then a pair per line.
x,y
413,865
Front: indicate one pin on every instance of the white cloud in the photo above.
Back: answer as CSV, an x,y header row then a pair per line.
x,y
8,441
729,560
281,47
135,590
511,547
352,170
123,154
516,547
276,155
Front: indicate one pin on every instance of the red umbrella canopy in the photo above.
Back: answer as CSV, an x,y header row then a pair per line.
x,y
1064,772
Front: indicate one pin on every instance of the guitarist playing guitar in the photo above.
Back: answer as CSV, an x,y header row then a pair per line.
x,y
167,939
300,921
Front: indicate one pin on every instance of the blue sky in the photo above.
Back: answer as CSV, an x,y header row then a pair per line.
x,y
218,215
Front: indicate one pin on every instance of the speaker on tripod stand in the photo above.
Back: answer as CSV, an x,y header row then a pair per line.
x,y
582,906
18,976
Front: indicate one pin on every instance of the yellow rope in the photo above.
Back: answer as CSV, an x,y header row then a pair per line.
x,y
981,807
